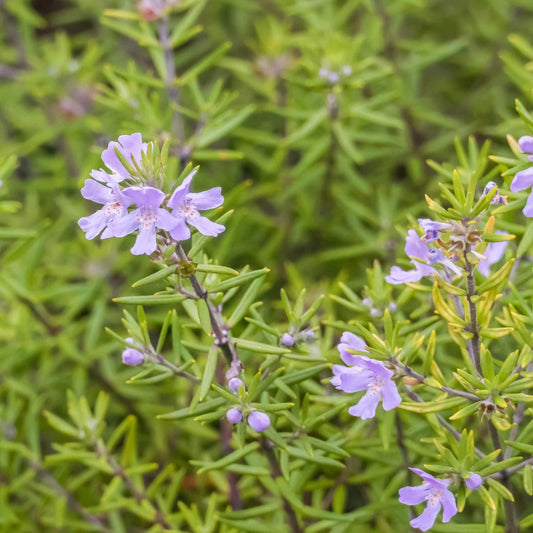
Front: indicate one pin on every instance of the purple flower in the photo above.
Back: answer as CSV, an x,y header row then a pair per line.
x,y
524,179
115,206
131,356
234,415
493,253
497,198
364,374
234,384
186,205
371,376
333,77
433,491
415,247
146,218
287,340
474,481
431,229
309,335
259,421
131,147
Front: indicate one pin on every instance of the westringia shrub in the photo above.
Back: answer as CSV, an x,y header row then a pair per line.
x,y
152,380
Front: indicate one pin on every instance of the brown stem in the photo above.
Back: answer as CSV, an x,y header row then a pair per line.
x,y
160,360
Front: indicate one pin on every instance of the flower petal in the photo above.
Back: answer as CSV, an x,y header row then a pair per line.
x,y
526,144
206,226
178,196
146,242
96,192
449,506
391,396
145,197
398,276
125,225
207,199
413,495
522,180
93,224
426,520
165,220
354,382
180,232
366,408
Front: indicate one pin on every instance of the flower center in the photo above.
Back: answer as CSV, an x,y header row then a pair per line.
x,y
187,209
113,208
375,386
147,218
434,497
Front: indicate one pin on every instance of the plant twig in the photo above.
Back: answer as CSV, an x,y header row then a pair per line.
x,y
475,352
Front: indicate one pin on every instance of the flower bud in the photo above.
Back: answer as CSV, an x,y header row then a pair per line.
x,y
151,9
287,340
474,481
259,421
131,356
234,415
234,384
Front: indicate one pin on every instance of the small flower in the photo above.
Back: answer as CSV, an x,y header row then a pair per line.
x,y
414,247
309,335
474,481
524,179
375,312
287,340
432,229
333,77
368,302
437,495
323,73
493,253
392,307
497,198
234,384
151,9
370,376
258,421
186,205
146,218
234,415
346,70
131,147
115,206
131,356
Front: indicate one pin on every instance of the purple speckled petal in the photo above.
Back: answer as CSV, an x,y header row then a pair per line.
x,y
426,520
413,495
146,242
391,396
449,506
522,180
207,199
206,226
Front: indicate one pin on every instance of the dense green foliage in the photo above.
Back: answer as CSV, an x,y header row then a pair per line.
x,y
321,182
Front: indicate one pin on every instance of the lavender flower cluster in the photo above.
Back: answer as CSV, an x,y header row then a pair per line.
x,y
152,209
